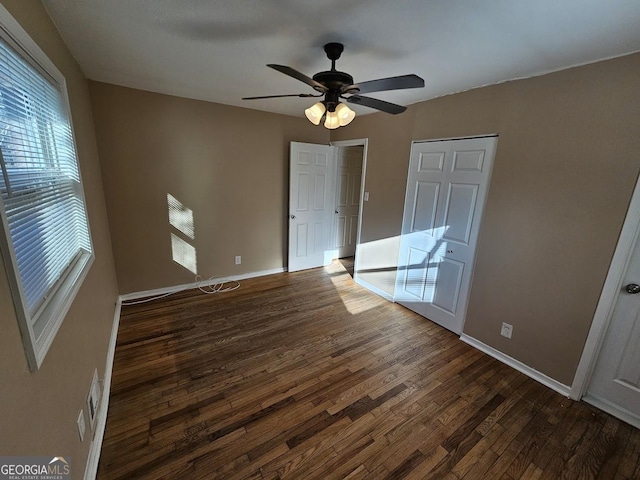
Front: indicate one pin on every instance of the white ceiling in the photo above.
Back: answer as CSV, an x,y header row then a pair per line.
x,y
216,50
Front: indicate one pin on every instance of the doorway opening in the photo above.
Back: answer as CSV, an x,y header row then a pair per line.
x,y
349,188
326,191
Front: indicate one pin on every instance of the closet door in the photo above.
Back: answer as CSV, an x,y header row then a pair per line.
x,y
446,190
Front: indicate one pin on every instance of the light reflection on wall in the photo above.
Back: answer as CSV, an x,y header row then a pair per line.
x,y
183,254
181,219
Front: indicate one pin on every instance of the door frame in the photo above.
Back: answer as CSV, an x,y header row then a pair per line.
x,y
629,236
364,142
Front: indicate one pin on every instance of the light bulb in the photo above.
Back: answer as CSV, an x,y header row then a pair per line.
x,y
345,114
332,121
315,112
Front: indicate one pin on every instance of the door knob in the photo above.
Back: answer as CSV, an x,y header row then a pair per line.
x,y
293,217
632,288
336,211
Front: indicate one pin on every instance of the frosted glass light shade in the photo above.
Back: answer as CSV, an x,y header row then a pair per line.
x,y
345,114
332,120
315,112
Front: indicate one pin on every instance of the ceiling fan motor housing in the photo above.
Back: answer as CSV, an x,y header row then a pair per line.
x,y
333,80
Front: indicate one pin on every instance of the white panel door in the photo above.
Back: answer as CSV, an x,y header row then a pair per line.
x,y
347,209
446,189
310,205
615,384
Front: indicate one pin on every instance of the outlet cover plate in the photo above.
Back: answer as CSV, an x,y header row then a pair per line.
x,y
238,259
506,330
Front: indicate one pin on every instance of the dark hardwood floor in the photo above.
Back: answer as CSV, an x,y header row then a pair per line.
x,y
309,376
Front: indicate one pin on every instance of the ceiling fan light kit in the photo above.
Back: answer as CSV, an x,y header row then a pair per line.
x,y
334,85
341,116
331,120
345,114
315,112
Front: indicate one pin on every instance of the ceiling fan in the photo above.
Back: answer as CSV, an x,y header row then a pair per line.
x,y
334,85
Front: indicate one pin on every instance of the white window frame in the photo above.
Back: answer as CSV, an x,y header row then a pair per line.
x,y
57,306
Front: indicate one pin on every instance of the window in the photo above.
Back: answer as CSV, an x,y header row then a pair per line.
x,y
46,244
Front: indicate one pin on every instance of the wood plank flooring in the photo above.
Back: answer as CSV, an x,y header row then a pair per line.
x,y
309,376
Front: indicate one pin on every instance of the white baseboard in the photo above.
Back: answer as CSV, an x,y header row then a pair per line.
x,y
203,283
521,367
373,288
101,420
618,412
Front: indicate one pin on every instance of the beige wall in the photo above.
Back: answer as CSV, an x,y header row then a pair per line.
x,y
564,172
39,409
228,165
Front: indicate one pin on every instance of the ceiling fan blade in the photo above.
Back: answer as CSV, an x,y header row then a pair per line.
x,y
390,83
381,105
299,76
305,95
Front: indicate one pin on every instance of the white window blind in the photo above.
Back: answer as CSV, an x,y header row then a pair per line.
x,y
47,237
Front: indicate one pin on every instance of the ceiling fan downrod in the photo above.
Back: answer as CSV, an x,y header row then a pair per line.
x,y
334,80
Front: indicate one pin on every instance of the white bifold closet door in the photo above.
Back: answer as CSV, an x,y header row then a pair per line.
x,y
446,189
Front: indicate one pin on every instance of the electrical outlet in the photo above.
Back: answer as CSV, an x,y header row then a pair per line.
x,y
81,426
506,330
238,259
366,196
